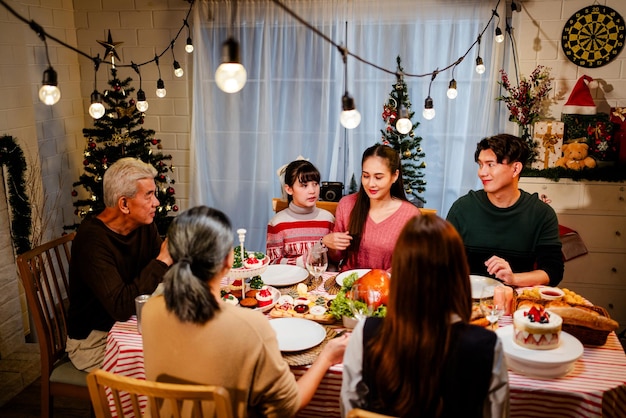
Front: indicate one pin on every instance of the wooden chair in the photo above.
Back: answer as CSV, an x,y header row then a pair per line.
x,y
362,413
44,274
279,204
163,399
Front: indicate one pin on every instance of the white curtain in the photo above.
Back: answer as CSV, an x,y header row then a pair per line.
x,y
291,102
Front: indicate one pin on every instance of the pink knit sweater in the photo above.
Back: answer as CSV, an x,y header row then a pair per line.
x,y
378,240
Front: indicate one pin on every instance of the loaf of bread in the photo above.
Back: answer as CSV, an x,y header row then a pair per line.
x,y
578,315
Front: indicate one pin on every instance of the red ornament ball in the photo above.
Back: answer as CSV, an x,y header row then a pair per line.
x,y
92,145
85,162
131,102
170,190
175,208
117,87
155,141
74,193
161,177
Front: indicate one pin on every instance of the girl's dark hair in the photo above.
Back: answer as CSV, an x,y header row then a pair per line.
x,y
199,240
430,282
359,214
302,171
508,148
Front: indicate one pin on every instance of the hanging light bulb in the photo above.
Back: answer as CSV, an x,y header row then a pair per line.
x,y
49,93
189,44
178,72
142,104
350,118
429,110
160,90
499,35
230,76
403,124
96,109
452,91
480,67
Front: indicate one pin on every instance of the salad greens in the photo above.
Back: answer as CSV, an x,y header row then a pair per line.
x,y
339,306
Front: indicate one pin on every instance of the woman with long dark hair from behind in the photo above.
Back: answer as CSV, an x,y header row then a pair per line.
x,y
367,223
424,359
191,335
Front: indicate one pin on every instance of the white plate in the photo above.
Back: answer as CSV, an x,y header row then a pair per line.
x,y
479,282
275,296
545,364
283,275
339,278
297,334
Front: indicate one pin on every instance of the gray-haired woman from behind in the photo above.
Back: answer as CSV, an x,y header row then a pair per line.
x,y
190,334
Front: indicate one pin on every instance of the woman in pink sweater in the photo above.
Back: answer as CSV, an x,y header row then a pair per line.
x,y
368,223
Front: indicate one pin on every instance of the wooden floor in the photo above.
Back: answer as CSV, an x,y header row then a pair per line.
x,y
27,405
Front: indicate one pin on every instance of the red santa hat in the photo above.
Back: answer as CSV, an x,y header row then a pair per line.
x,y
580,101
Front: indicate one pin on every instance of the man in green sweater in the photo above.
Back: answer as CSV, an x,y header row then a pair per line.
x,y
116,256
508,233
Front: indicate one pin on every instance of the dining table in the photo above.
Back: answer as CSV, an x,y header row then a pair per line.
x,y
595,387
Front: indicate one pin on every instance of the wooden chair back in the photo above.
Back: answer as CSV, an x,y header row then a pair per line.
x,y
279,204
44,274
362,413
171,400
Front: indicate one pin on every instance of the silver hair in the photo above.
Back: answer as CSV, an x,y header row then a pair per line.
x,y
120,179
199,240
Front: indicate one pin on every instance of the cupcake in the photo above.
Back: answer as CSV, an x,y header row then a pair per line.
x,y
264,296
230,299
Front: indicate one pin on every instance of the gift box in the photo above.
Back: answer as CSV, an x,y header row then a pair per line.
x,y
597,131
618,117
548,137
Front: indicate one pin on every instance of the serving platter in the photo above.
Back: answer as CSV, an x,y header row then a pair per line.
x,y
480,282
341,276
297,334
544,364
283,275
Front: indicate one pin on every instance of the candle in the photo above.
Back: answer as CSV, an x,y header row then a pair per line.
x,y
242,237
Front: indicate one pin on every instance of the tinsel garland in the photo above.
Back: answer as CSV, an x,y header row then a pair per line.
x,y
12,157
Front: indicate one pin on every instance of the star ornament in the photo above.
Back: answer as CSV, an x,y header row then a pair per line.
x,y
110,48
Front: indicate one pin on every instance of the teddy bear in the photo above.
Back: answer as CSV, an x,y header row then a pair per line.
x,y
575,157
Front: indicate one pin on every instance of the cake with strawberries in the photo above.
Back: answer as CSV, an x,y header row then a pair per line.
x,y
536,328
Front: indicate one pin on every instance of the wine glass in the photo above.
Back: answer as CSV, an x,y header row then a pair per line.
x,y
362,301
317,261
493,309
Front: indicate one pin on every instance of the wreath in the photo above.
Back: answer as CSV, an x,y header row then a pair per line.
x,y
12,157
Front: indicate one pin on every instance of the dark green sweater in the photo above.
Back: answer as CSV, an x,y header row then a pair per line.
x,y
526,234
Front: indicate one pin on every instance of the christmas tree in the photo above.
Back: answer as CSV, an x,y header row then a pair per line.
x,y
118,134
407,145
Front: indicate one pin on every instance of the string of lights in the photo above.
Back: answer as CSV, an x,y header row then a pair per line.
x,y
231,74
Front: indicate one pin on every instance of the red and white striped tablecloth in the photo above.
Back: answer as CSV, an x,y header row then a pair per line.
x,y
596,387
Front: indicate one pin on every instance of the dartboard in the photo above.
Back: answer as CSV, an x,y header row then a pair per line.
x,y
593,36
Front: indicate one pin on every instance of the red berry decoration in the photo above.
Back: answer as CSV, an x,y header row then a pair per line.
x,y
74,193
175,208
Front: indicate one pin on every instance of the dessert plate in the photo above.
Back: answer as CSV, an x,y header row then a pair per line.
x,y
297,334
283,275
545,364
478,282
339,278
